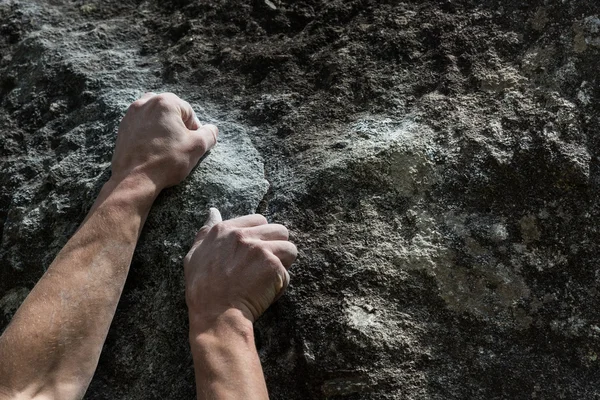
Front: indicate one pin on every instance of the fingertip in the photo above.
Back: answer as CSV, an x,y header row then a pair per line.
x,y
214,130
295,250
214,217
207,136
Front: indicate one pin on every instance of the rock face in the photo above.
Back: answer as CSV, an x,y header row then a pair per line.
x,y
436,162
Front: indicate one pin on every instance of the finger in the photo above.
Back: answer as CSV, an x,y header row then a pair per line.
x,y
214,217
285,282
188,116
284,250
205,137
268,232
247,221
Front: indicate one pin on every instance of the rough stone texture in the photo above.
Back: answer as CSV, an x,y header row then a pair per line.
x,y
436,161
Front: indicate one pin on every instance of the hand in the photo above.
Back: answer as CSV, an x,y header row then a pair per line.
x,y
239,264
160,138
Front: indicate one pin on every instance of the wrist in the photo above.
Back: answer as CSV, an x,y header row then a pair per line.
x,y
225,358
230,323
132,189
125,203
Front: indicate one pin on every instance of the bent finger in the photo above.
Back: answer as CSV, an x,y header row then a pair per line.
x,y
188,116
284,275
205,138
284,250
186,112
268,232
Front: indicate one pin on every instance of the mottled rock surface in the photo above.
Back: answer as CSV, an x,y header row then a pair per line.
x,y
437,163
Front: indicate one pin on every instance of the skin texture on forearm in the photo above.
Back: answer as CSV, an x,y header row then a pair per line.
x,y
51,348
225,359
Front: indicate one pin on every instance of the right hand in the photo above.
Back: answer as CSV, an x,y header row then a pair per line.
x,y
239,264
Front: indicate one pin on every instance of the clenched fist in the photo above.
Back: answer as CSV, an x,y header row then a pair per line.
x,y
160,139
239,264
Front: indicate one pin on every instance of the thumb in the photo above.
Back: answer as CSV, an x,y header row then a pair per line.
x,y
285,282
214,217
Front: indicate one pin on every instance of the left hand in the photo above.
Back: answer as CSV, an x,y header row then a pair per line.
x,y
160,138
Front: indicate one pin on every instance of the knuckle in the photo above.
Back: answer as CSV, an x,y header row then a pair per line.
x,y
136,105
164,100
238,235
219,228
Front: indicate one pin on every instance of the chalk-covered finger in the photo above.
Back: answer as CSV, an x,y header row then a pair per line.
x,y
214,217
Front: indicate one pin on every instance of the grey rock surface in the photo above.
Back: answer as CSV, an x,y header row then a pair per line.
x,y
436,162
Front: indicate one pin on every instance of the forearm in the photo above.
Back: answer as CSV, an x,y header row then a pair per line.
x,y
225,359
54,341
